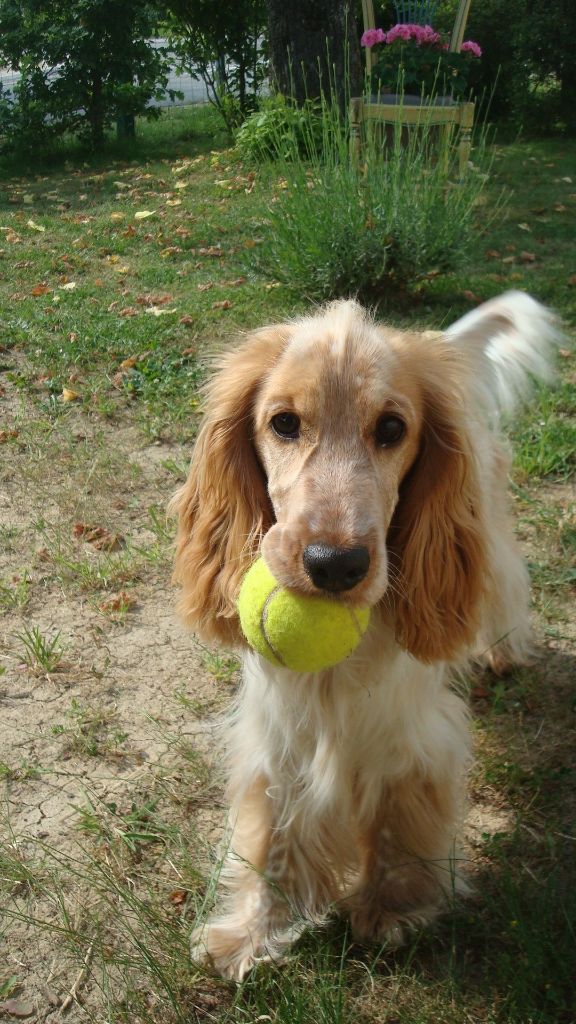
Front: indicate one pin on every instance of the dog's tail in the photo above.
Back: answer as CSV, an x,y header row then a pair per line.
x,y
510,341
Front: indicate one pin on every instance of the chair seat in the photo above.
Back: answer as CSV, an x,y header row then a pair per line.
x,y
393,99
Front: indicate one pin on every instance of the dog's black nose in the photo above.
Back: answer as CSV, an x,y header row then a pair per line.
x,y
335,569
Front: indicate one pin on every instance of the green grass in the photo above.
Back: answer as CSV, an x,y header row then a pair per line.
x,y
507,955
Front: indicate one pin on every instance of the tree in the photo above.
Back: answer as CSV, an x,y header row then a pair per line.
x,y
83,64
314,48
224,43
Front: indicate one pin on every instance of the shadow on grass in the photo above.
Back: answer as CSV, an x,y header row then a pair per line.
x,y
507,954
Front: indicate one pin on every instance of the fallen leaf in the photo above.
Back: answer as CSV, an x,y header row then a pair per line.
x,y
130,231
572,280
223,304
569,180
560,208
181,184
173,202
188,351
564,353
16,1008
123,269
128,363
149,299
69,286
121,184
186,319
206,286
100,538
527,257
117,216
157,311
35,227
69,396
210,250
492,254
129,311
120,602
525,227
40,289
470,296
12,238
7,435
143,214
170,250
236,282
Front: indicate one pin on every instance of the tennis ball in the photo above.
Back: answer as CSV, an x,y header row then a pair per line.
x,y
297,631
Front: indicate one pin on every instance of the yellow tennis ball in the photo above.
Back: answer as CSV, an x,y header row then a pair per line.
x,y
298,631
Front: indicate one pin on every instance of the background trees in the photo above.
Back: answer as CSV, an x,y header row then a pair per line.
x,y
83,64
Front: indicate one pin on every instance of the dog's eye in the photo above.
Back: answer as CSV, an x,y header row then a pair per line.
x,y
286,424
389,430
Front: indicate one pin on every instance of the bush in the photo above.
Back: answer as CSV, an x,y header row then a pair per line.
x,y
279,130
336,230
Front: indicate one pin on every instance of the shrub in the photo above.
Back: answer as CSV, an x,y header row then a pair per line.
x,y
336,229
280,130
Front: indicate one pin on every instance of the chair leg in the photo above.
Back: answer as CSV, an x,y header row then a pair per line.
x,y
464,150
355,130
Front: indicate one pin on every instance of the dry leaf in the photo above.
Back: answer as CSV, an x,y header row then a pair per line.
x,y
117,216
560,208
188,351
40,289
236,282
223,304
16,1008
210,250
69,286
527,257
35,227
12,238
492,254
69,396
123,269
470,296
129,311
173,202
170,250
157,311
525,227
143,214
7,435
98,536
206,286
149,299
186,319
572,280
120,602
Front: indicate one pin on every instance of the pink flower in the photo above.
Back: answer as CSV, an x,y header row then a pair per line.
x,y
372,37
422,35
471,47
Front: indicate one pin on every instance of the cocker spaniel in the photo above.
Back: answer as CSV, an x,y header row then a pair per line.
x,y
365,462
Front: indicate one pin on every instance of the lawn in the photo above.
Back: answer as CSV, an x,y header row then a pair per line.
x,y
119,278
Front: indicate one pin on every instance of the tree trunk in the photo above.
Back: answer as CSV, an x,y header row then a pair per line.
x,y
314,48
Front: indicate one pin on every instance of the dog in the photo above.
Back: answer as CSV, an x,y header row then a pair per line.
x,y
363,463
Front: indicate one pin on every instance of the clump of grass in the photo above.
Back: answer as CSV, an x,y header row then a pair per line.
x,y
41,654
90,731
339,227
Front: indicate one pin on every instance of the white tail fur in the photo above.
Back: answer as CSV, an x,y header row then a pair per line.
x,y
519,336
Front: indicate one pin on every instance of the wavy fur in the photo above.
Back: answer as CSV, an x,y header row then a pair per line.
x,y
346,786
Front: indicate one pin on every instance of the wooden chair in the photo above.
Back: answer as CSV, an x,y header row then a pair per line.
x,y
392,109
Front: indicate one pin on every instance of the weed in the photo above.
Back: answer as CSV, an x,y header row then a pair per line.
x,y
15,594
223,667
90,731
41,654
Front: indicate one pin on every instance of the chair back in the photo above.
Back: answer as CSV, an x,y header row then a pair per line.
x,y
418,12
415,12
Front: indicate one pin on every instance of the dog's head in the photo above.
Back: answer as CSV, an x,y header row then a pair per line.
x,y
344,452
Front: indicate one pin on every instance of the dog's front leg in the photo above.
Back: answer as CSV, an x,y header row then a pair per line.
x,y
271,890
408,858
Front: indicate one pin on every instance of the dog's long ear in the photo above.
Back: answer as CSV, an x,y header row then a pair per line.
x,y
223,508
437,538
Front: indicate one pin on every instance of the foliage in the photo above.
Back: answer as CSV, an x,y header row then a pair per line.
x,y
224,43
417,57
336,230
278,128
83,64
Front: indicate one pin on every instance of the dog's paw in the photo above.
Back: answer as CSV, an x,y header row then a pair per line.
x,y
373,922
222,948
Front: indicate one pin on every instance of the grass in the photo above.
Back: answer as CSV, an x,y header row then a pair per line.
x,y
102,404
